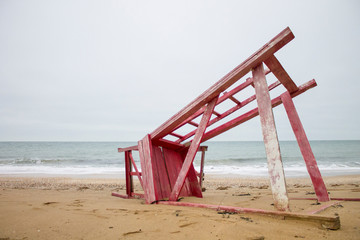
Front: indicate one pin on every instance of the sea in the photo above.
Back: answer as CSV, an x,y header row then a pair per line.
x,y
233,158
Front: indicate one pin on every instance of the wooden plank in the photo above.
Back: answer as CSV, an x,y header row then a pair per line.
x,y
277,69
192,150
272,147
202,163
175,135
168,144
305,148
156,160
128,177
164,184
326,222
235,100
324,207
146,154
253,113
258,57
193,123
132,148
337,199
173,162
191,180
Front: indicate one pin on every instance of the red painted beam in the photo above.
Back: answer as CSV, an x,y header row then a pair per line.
x,y
277,69
136,170
305,148
132,148
326,222
258,57
192,150
253,113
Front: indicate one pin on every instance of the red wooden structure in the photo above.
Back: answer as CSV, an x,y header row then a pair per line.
x,y
167,155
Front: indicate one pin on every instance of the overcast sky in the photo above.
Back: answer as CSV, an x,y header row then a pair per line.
x,y
115,70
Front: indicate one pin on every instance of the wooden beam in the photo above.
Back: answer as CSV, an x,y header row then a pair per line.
x,y
132,148
168,144
305,148
235,100
253,113
326,222
146,154
258,57
192,150
175,135
280,73
272,147
128,177
136,170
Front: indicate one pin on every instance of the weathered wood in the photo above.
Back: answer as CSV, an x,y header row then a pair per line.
x,y
272,147
324,207
332,223
132,148
146,154
230,111
235,100
203,149
162,179
305,148
168,144
258,57
333,198
136,170
128,177
225,96
253,113
280,73
174,161
175,135
192,150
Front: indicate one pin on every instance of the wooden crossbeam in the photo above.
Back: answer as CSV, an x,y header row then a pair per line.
x,y
253,113
235,100
230,111
258,57
193,123
192,150
132,148
176,135
226,95
216,113
169,144
280,73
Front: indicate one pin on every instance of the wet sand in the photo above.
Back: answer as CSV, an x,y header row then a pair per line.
x,y
73,208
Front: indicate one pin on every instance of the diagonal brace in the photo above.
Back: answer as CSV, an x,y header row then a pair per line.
x,y
192,150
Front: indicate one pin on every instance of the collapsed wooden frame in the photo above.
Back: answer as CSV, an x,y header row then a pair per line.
x,y
167,170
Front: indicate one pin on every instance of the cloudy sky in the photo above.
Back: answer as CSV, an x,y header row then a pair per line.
x,y
115,70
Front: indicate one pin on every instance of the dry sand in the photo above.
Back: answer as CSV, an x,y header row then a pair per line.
x,y
64,208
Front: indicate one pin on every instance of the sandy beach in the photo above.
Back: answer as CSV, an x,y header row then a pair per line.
x,y
73,208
